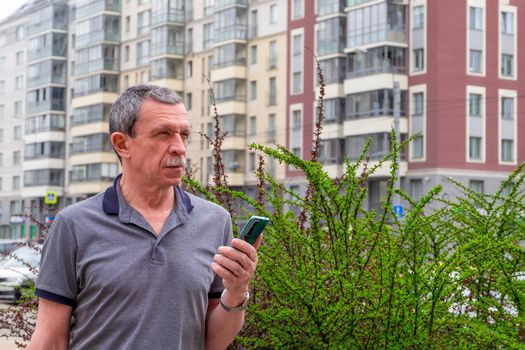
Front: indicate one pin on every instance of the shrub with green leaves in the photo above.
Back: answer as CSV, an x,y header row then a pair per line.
x,y
333,275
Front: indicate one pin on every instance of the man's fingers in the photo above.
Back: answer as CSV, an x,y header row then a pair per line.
x,y
240,271
245,247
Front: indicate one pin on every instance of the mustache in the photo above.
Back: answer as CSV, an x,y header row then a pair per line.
x,y
179,161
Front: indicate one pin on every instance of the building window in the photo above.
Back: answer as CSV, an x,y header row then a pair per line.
x,y
16,182
475,61
298,9
1,159
251,161
273,14
128,23
507,108
272,60
189,101
126,53
507,150
475,18
252,126
272,98
271,128
296,120
418,16
475,105
419,60
16,158
2,111
189,69
20,33
143,52
1,135
507,63
143,22
19,82
254,26
507,23
477,186
297,63
253,54
126,81
17,132
418,103
253,90
2,87
474,149
19,57
207,38
417,147
416,189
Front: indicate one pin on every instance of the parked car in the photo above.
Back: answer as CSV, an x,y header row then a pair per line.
x,y
16,274
8,245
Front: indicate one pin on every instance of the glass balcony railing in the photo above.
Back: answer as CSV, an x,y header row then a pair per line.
x,y
50,105
45,79
96,7
164,48
376,70
167,16
34,55
220,4
231,32
356,2
328,7
109,64
96,36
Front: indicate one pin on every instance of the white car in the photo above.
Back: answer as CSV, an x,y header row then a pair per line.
x,y
15,272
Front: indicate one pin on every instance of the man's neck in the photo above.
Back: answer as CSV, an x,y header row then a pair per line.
x,y
146,196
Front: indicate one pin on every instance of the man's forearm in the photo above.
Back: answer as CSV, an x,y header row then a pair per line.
x,y
222,326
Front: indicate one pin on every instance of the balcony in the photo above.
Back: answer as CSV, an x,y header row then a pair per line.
x,y
167,68
92,114
82,147
221,4
231,32
47,18
45,73
48,45
350,3
96,7
167,48
45,106
108,64
96,36
171,16
378,33
329,7
386,68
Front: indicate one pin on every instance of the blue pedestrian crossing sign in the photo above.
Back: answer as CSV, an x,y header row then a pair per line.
x,y
399,211
51,198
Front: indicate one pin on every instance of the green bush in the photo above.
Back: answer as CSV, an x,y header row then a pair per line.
x,y
333,275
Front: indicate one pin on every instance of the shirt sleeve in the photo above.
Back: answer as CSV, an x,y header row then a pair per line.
x,y
217,287
57,280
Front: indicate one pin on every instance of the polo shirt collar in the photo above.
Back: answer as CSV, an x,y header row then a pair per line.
x,y
110,202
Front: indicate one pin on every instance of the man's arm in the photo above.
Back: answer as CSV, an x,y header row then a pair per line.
x,y
236,265
52,326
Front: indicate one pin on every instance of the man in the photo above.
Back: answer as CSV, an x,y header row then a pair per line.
x,y
143,265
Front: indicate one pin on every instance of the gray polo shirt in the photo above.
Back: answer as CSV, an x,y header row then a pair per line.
x,y
129,288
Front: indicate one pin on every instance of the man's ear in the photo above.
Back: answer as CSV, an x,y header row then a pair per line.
x,y
120,144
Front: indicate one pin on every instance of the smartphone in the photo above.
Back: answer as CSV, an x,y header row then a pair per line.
x,y
253,228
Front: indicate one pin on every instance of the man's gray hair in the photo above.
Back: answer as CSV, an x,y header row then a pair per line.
x,y
125,110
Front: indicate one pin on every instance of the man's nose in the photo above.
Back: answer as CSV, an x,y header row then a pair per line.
x,y
177,145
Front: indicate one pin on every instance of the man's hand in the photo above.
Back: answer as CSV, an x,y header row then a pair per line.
x,y
236,265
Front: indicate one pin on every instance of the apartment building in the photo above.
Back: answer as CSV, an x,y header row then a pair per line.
x,y
452,65
448,71
232,46
13,55
466,93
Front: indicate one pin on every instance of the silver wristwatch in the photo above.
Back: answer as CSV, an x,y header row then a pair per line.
x,y
241,307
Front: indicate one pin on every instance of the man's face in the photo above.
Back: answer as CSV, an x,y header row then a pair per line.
x,y
158,150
